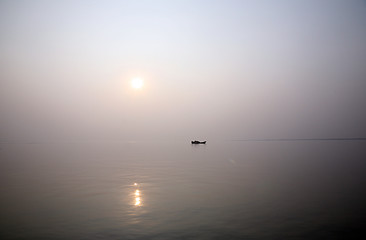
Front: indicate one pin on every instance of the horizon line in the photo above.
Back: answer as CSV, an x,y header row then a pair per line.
x,y
301,139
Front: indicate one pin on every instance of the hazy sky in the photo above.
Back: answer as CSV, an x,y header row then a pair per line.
x,y
212,69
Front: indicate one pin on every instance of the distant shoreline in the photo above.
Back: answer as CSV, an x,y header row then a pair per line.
x,y
300,139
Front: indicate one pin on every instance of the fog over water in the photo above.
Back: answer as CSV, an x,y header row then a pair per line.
x,y
212,69
99,102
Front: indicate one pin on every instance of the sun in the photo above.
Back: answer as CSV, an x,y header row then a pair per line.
x,y
137,83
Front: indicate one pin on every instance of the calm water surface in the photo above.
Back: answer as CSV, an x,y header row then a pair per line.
x,y
161,190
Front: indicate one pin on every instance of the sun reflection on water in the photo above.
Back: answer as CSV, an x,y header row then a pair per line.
x,y
137,194
138,201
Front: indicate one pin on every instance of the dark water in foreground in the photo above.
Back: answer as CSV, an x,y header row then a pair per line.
x,y
224,190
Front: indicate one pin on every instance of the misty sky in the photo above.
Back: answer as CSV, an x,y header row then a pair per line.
x,y
212,69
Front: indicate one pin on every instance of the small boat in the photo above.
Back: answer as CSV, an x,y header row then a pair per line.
x,y
198,142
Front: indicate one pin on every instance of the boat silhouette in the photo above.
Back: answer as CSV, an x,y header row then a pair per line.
x,y
198,142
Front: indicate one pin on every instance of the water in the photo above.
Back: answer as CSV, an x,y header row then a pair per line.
x,y
222,190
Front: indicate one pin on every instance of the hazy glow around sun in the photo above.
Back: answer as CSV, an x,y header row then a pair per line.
x,y
137,83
